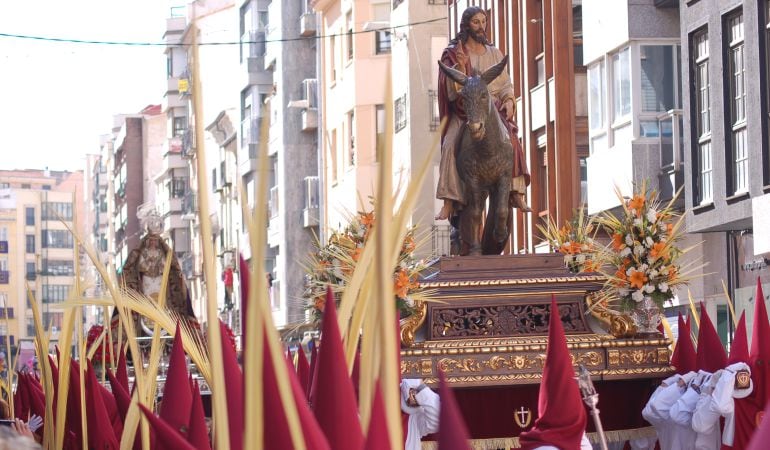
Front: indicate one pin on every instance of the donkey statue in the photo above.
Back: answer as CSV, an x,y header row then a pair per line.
x,y
484,164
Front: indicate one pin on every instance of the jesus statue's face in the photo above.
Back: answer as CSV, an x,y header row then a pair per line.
x,y
478,28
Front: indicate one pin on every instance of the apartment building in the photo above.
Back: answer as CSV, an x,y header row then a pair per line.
x,y
36,248
414,52
726,142
293,154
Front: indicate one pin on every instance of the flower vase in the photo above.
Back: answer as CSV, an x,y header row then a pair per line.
x,y
646,317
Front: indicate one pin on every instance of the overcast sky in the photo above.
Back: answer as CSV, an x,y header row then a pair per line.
x,y
57,98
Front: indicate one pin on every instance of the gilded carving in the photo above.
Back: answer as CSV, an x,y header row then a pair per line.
x,y
409,325
618,324
514,281
637,357
502,320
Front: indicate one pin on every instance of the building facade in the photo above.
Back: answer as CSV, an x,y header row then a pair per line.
x,y
726,142
37,249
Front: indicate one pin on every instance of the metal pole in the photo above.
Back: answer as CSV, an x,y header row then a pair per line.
x,y
591,398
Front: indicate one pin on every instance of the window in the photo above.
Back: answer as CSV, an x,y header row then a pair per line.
x,y
58,267
30,216
349,36
52,321
351,119
333,154
180,125
435,119
621,85
178,187
704,189
597,87
382,42
766,148
26,186
379,118
399,111
658,77
31,275
333,56
738,159
56,211
56,239
55,293
30,296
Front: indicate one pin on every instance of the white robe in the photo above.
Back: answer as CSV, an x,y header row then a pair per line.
x,y
423,419
585,444
721,402
658,411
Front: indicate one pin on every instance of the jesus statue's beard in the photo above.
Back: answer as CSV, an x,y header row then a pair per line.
x,y
480,36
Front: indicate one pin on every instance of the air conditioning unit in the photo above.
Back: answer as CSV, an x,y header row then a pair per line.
x,y
307,24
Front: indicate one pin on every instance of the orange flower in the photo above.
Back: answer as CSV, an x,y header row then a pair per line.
x,y
409,244
637,203
659,250
617,241
402,284
669,228
672,274
319,302
637,279
367,219
621,274
356,255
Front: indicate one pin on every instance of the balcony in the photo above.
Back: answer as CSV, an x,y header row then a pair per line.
x,y
307,24
189,206
3,342
188,143
310,214
310,119
3,246
5,277
671,175
253,48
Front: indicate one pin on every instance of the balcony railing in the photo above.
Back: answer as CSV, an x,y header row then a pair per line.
x,y
188,147
250,127
189,203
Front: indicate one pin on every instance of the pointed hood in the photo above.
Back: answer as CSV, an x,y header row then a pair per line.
x,y
759,357
277,435
761,438
355,374
303,370
377,438
312,373
122,398
177,398
760,336
166,437
562,416
684,357
234,391
198,434
452,431
314,436
333,396
739,349
100,431
711,355
121,373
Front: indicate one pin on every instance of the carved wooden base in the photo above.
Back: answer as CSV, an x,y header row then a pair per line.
x,y
489,323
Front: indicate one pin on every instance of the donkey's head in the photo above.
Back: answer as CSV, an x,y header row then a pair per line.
x,y
475,95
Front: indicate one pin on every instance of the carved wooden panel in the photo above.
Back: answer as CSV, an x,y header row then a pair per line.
x,y
501,320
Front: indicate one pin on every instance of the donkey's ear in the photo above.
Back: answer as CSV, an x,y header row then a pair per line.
x,y
454,74
493,72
